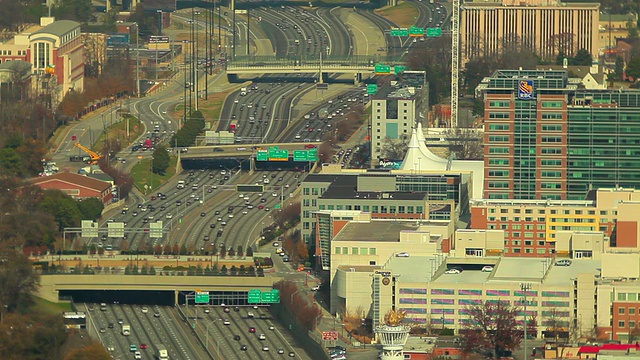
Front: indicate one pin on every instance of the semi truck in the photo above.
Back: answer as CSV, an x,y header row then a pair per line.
x,y
126,330
181,184
161,352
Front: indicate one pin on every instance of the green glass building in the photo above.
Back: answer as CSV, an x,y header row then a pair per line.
x,y
545,138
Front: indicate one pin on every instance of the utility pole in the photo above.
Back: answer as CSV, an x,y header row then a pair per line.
x,y
525,287
248,30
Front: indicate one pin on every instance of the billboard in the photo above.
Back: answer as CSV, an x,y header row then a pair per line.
x,y
525,90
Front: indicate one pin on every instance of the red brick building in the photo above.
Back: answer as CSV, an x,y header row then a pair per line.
x,y
77,186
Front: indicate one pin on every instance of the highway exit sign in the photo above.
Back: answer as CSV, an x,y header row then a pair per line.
x,y
262,155
254,296
434,32
372,89
382,69
416,31
202,297
399,69
399,32
271,297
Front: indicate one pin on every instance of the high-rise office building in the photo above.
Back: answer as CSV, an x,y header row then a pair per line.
x,y
547,139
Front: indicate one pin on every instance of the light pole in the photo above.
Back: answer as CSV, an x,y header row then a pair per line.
x,y
525,287
295,292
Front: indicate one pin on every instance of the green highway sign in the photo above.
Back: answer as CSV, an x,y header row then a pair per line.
x,y
276,206
276,154
249,188
202,297
382,69
262,155
398,69
306,155
254,296
372,89
416,31
434,32
272,297
399,32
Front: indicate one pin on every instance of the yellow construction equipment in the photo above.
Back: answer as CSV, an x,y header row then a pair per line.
x,y
94,156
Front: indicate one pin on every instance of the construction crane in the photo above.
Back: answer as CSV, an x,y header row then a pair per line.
x,y
455,61
94,156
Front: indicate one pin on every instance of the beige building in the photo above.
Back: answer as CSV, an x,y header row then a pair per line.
x,y
545,26
373,244
613,26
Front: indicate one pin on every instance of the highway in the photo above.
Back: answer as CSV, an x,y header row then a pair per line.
x,y
160,325
227,333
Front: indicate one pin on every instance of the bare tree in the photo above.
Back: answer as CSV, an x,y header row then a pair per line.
x,y
394,148
491,329
465,142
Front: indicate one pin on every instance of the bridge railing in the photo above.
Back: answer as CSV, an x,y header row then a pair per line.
x,y
292,61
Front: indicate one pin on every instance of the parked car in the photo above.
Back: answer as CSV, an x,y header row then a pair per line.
x,y
563,262
487,268
402,254
452,271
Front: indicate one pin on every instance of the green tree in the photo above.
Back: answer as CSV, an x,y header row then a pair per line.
x,y
94,351
19,280
76,10
63,208
161,160
91,208
492,330
633,68
10,162
619,68
582,58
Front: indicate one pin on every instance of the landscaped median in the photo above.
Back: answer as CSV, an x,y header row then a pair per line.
x,y
403,14
142,175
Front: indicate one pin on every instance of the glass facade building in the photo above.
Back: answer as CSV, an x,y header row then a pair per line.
x,y
547,139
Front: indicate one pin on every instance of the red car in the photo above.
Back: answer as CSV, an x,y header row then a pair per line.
x,y
252,330
143,346
260,207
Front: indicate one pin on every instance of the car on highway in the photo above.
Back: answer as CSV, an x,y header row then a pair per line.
x,y
207,311
243,347
145,310
452,271
227,322
236,337
103,330
262,337
143,346
265,348
156,315
292,354
271,327
252,330
169,216
280,351
260,207
137,355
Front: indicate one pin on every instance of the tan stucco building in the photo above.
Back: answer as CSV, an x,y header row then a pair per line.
x,y
545,26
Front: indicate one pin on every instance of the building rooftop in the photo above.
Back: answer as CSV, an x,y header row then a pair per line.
x,y
75,179
359,268
348,192
562,275
379,230
412,269
58,28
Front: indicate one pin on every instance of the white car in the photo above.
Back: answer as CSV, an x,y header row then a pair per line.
x,y
274,194
402,254
315,288
487,268
265,348
262,337
452,271
241,196
169,216
250,314
245,212
227,322
271,327
145,310
230,216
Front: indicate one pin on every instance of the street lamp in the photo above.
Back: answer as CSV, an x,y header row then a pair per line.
x,y
295,292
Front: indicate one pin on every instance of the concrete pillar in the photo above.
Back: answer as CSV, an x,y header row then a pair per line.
x,y
232,5
175,298
357,78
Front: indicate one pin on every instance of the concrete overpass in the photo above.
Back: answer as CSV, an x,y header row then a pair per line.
x,y
51,285
356,64
242,151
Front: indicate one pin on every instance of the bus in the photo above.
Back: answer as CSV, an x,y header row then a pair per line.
x,y
233,126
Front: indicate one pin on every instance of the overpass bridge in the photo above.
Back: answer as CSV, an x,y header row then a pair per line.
x,y
52,286
249,157
355,64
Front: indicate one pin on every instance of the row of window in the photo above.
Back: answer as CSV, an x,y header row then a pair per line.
x,y
344,250
488,292
551,211
467,302
377,209
10,53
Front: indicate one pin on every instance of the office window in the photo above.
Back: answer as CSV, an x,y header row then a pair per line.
x,y
337,250
621,311
621,323
364,251
552,104
354,251
372,251
345,250
632,311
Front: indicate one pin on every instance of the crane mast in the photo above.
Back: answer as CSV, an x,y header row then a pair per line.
x,y
455,61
